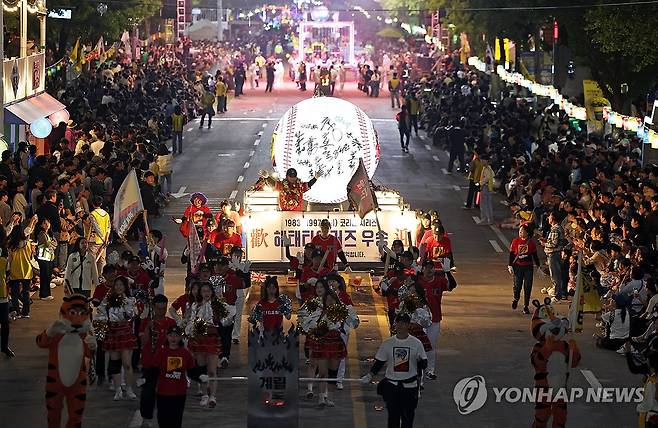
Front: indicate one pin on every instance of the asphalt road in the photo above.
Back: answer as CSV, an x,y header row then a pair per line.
x,y
480,334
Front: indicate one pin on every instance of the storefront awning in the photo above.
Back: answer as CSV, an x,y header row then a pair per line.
x,y
27,111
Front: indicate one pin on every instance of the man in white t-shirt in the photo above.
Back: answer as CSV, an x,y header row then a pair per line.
x,y
405,358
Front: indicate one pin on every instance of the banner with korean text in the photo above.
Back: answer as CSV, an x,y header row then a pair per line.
x,y
359,237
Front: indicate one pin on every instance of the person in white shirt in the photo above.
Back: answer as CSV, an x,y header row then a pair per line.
x,y
617,323
405,358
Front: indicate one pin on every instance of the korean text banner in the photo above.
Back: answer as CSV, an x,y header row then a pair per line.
x,y
359,237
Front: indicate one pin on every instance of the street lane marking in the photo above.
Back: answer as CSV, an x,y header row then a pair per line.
x,y
436,158
500,235
495,246
251,153
264,125
398,156
246,165
257,142
260,133
457,188
427,147
444,171
240,178
225,155
591,379
233,194
476,219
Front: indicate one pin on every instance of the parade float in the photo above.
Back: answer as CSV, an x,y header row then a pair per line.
x,y
329,135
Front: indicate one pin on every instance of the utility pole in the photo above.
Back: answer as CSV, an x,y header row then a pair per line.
x,y
220,21
555,35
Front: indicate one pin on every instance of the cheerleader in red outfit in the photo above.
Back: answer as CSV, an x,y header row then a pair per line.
x,y
309,307
315,270
326,325
412,302
119,310
207,314
269,311
337,284
179,309
197,203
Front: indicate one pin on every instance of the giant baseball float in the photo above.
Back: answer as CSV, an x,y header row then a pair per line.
x,y
329,135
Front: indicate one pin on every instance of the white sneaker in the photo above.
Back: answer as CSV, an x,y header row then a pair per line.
x,y
339,386
47,298
329,402
118,395
322,401
130,394
140,382
621,351
204,401
212,402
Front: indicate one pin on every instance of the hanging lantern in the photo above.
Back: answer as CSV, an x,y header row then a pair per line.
x,y
101,8
59,116
41,128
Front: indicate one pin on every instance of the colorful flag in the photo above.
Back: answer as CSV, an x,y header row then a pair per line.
x,y
195,249
258,277
359,191
99,50
128,204
77,55
125,39
576,309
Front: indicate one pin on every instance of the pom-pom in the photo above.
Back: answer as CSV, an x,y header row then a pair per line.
x,y
337,313
256,315
115,300
199,328
285,305
219,310
100,328
321,329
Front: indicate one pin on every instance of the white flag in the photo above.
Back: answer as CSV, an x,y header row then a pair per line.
x,y
128,204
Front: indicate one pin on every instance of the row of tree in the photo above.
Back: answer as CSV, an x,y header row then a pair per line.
x,y
619,43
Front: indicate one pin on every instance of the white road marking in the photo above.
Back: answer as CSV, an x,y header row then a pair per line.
x,y
240,178
500,235
495,246
264,125
257,142
260,133
180,193
225,155
436,158
457,188
444,171
251,153
591,379
233,194
398,156
427,147
246,165
476,219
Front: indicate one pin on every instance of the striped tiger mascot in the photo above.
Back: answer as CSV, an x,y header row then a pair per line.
x,y
551,357
68,342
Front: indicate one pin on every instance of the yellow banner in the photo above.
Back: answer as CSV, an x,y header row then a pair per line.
x,y
594,103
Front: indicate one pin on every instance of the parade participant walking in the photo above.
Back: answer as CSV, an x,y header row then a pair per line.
x,y
207,314
291,190
230,285
404,127
207,101
413,107
153,336
438,248
306,323
487,189
405,359
117,311
329,244
337,284
522,254
268,313
177,122
226,240
434,285
174,363
328,348
394,90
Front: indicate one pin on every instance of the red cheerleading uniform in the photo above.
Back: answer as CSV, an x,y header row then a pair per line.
x,y
328,347
436,251
433,293
307,273
324,244
180,303
392,299
272,316
100,292
232,284
141,280
345,298
160,328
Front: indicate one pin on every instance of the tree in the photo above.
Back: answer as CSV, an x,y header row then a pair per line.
x,y
89,25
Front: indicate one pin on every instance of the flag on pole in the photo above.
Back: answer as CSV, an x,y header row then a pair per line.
x,y
576,309
77,55
125,39
360,193
195,250
109,54
100,51
128,204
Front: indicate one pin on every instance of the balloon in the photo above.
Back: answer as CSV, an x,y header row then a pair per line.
x,y
59,116
41,128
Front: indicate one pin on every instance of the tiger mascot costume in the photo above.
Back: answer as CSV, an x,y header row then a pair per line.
x,y
551,357
68,342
